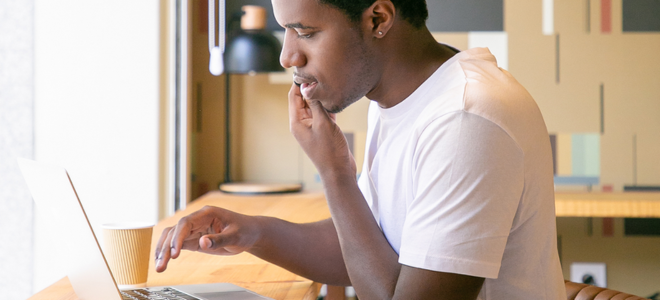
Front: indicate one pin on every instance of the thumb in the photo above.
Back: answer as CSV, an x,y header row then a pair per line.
x,y
211,242
318,111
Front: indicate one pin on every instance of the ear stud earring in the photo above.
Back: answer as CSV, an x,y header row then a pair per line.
x,y
380,33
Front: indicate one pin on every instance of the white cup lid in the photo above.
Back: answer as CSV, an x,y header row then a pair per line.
x,y
127,225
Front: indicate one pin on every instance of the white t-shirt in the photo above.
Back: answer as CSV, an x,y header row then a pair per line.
x,y
459,177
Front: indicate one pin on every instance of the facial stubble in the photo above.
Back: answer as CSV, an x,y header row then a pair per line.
x,y
361,73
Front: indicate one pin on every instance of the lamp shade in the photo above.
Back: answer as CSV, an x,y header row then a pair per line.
x,y
253,51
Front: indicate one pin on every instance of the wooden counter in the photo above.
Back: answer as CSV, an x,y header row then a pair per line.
x,y
244,270
269,280
616,205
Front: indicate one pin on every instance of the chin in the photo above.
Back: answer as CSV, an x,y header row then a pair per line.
x,y
334,105
344,104
336,108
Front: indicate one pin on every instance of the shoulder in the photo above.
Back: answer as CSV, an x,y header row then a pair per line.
x,y
494,94
472,84
491,91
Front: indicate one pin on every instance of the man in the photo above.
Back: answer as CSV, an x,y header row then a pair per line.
x,y
455,200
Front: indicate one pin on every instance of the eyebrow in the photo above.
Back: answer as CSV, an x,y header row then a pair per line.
x,y
298,26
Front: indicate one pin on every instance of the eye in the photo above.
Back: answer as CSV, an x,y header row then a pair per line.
x,y
305,35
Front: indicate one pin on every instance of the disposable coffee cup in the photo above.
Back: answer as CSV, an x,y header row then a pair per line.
x,y
126,249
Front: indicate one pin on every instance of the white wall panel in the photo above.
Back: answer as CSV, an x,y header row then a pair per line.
x,y
16,140
496,42
97,110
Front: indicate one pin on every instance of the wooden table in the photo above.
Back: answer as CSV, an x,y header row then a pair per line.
x,y
244,269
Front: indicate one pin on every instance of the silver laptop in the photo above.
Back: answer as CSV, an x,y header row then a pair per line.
x,y
87,269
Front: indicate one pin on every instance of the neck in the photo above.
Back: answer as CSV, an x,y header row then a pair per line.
x,y
409,56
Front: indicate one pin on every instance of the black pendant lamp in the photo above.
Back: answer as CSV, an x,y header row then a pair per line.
x,y
252,49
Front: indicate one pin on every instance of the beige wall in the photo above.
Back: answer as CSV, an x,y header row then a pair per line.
x,y
269,152
633,263
208,114
263,150
627,64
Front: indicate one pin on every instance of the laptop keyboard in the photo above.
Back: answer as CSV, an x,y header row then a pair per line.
x,y
164,294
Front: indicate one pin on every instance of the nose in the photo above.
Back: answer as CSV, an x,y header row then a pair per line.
x,y
292,55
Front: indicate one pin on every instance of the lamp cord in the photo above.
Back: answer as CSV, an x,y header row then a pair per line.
x,y
216,53
221,25
227,129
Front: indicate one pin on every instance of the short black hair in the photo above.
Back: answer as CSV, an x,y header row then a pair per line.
x,y
413,11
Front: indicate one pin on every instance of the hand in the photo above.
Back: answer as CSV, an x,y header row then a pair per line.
x,y
211,230
317,133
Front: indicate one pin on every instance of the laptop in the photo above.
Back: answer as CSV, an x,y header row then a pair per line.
x,y
87,269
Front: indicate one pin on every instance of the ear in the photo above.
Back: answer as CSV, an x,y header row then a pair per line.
x,y
379,18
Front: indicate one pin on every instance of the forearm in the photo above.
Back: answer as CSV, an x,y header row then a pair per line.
x,y
371,262
310,250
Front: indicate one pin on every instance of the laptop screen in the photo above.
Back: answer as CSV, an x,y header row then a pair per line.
x,y
53,192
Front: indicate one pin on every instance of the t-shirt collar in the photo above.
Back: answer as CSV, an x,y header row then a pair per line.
x,y
405,106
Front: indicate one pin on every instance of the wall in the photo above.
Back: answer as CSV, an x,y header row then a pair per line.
x,y
564,71
16,140
208,114
625,63
627,66
263,150
632,263
270,152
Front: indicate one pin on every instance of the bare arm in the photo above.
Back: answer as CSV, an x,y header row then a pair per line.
x,y
310,250
371,263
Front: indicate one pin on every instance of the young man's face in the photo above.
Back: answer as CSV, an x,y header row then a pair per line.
x,y
332,61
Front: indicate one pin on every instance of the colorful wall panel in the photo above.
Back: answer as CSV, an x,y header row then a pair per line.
x,y
465,15
496,41
641,15
576,158
606,16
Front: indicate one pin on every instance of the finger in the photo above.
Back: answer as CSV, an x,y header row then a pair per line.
x,y
298,108
295,99
161,240
215,242
163,257
191,244
205,243
319,114
180,233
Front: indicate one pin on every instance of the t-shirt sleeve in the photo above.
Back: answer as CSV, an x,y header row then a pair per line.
x,y
467,181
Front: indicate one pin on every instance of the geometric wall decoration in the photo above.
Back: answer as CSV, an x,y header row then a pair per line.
x,y
641,226
606,16
444,15
465,15
576,158
641,15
